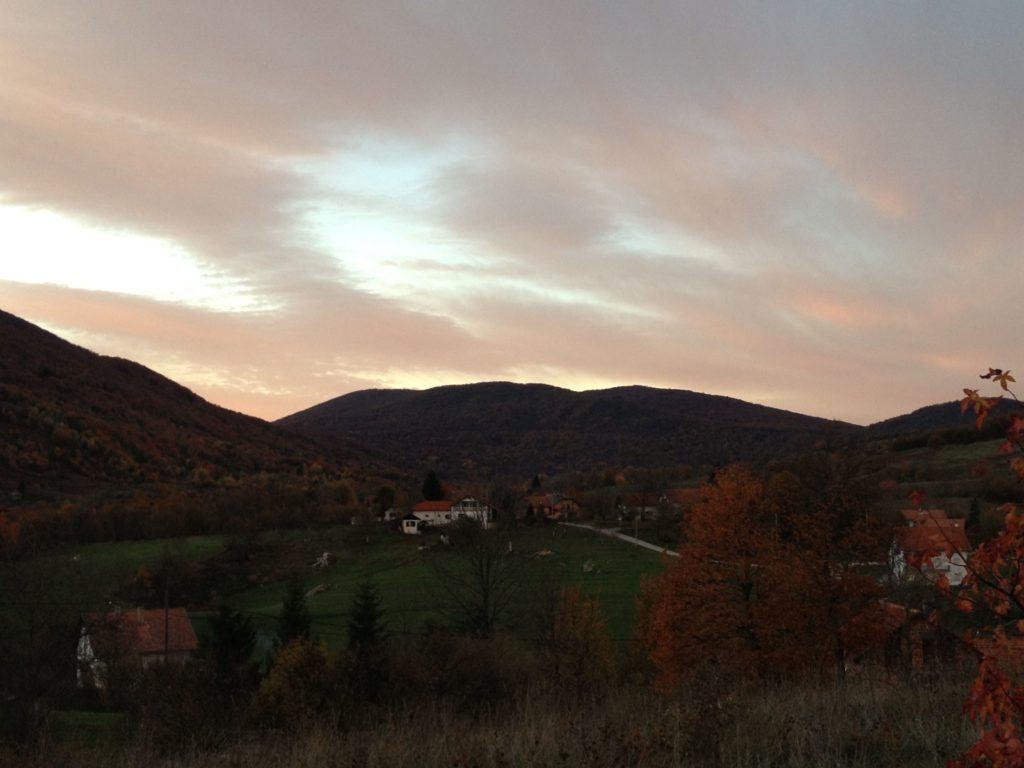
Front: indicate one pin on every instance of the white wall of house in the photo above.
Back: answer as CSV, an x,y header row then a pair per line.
x,y
435,517
91,671
953,567
473,509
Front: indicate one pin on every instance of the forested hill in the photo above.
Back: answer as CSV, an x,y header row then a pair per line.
x,y
943,417
73,421
502,429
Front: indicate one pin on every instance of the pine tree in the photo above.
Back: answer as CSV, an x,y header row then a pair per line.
x,y
432,490
228,648
367,629
293,621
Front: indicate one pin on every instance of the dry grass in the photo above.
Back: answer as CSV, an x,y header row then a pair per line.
x,y
876,723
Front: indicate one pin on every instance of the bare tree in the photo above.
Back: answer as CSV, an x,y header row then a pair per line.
x,y
479,579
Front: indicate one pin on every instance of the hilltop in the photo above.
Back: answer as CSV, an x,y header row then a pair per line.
x,y
74,421
502,428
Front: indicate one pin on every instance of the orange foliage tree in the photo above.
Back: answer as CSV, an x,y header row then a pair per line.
x,y
995,584
762,585
579,652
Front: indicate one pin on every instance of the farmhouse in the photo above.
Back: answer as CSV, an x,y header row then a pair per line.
x,y
552,506
435,514
933,546
137,638
642,505
913,517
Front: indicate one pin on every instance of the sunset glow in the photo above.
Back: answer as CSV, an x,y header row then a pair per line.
x,y
816,208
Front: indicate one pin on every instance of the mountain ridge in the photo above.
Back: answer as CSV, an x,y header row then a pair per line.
x,y
74,418
496,426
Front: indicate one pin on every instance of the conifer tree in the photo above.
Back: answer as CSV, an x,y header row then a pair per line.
x,y
367,628
293,621
432,490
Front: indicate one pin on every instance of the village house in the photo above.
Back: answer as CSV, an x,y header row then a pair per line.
x,y
914,517
930,546
679,499
437,514
551,506
138,638
642,505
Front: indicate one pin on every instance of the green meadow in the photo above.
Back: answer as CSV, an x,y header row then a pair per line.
x,y
403,568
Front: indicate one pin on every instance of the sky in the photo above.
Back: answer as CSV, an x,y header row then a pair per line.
x,y
817,206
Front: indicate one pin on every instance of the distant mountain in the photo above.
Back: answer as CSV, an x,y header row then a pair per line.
x,y
500,428
74,421
942,417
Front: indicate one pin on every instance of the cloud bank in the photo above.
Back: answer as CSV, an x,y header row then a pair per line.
x,y
813,206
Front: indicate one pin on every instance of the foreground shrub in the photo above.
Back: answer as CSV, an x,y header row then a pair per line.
x,y
304,688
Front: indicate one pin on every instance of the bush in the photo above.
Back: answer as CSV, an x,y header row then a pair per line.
x,y
304,687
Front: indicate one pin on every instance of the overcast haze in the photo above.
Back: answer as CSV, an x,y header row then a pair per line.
x,y
815,206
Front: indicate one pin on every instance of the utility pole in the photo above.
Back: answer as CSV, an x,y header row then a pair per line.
x,y
167,624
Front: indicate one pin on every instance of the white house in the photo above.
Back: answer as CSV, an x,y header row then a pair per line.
x,y
473,509
931,548
437,514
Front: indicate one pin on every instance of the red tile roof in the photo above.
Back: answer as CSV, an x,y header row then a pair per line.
x,y
936,536
433,506
140,632
923,516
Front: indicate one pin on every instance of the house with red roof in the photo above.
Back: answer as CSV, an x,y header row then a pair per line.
x,y
931,547
914,517
139,638
437,514
552,506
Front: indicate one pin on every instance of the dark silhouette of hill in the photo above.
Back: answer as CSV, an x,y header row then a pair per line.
x,y
944,419
504,429
74,421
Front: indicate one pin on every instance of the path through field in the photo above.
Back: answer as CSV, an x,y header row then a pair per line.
x,y
624,537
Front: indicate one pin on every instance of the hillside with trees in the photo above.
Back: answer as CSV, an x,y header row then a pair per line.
x,y
70,416
500,428
89,438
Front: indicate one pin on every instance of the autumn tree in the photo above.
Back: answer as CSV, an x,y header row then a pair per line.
x,y
763,582
579,651
302,688
703,612
825,519
994,585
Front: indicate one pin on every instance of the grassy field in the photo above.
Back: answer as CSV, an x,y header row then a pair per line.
x,y
401,567
405,577
109,563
